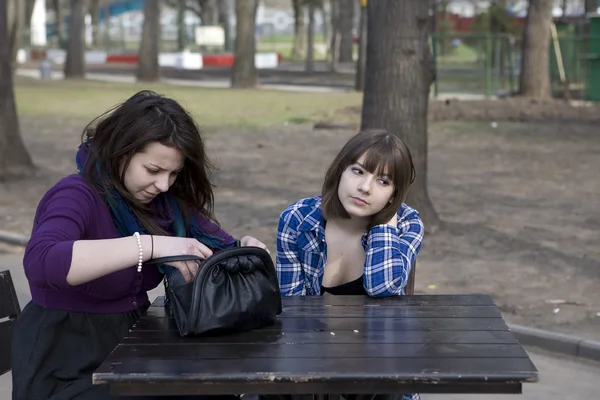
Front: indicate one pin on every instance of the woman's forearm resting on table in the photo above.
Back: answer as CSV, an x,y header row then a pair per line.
x,y
391,253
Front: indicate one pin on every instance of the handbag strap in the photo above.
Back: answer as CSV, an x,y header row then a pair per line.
x,y
169,259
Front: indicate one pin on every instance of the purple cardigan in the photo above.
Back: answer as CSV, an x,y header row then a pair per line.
x,y
72,211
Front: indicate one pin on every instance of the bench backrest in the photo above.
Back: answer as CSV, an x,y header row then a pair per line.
x,y
9,311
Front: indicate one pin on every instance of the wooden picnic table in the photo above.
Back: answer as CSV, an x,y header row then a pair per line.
x,y
330,344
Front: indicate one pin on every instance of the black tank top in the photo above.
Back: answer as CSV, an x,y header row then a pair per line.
x,y
355,288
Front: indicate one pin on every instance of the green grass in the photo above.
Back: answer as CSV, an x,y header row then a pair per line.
x,y
212,108
289,39
285,49
459,55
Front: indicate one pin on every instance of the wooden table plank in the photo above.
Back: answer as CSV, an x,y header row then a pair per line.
x,y
325,338
372,312
394,301
382,311
352,324
462,300
433,370
300,351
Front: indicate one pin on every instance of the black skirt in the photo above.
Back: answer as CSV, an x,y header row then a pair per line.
x,y
55,352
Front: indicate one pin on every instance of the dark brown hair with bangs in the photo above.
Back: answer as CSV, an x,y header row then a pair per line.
x,y
384,152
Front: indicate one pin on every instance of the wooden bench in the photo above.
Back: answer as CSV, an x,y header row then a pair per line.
x,y
9,311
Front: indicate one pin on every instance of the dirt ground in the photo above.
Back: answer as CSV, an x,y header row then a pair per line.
x,y
516,187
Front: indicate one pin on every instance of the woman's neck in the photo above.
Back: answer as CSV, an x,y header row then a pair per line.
x,y
351,225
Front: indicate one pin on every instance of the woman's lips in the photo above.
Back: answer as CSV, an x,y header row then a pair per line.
x,y
358,201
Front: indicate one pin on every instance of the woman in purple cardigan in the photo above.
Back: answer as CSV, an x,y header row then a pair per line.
x,y
143,191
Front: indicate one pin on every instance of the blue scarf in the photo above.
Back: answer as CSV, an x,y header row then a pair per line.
x,y
170,217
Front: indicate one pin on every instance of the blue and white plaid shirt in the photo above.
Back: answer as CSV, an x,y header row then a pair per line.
x,y
301,251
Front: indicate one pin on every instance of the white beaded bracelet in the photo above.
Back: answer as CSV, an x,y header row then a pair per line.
x,y
139,241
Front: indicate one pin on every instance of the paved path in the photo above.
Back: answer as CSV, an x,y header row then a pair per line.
x,y
561,378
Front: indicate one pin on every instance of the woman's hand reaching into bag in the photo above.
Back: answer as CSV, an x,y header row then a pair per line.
x,y
165,246
254,242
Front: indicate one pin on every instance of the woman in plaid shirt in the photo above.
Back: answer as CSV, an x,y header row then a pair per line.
x,y
358,237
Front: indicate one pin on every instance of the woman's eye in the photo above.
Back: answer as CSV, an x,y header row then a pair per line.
x,y
356,170
152,171
384,182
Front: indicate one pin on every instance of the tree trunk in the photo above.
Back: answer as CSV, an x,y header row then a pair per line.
x,y
326,27
14,15
244,73
498,26
298,48
346,25
361,63
15,161
27,14
147,68
58,12
397,80
75,62
309,66
535,75
336,34
94,10
223,10
29,4
181,28
591,6
207,12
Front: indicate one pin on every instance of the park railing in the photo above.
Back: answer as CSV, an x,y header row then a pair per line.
x,y
490,65
477,64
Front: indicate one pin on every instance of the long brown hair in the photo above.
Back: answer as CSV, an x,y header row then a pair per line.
x,y
127,129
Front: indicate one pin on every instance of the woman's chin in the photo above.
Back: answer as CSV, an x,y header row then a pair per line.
x,y
357,214
144,199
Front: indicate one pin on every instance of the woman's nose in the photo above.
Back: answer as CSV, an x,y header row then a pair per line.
x,y
162,183
364,185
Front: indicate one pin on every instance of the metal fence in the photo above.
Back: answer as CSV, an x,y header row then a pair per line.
x,y
474,64
489,65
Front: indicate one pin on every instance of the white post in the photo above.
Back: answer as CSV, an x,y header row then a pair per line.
x,y
38,23
88,29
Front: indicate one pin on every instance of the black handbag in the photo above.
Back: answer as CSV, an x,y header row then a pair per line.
x,y
235,290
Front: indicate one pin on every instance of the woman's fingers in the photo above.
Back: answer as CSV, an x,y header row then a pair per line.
x,y
252,241
203,250
185,272
165,246
192,266
198,249
188,269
